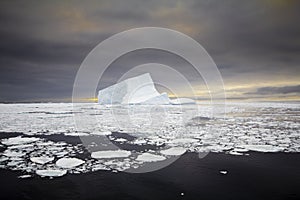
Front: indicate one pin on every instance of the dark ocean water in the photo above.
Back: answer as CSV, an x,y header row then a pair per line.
x,y
257,176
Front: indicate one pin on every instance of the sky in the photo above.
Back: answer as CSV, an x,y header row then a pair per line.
x,y
255,44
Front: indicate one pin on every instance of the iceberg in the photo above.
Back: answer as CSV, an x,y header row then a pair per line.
x,y
137,90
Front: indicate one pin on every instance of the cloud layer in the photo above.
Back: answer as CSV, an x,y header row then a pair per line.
x,y
255,44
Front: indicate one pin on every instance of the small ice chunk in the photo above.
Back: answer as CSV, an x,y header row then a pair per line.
x,y
120,140
235,153
41,159
25,176
148,157
69,163
110,154
174,151
223,172
19,140
240,150
51,172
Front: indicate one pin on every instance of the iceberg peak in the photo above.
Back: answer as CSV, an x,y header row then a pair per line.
x,y
137,90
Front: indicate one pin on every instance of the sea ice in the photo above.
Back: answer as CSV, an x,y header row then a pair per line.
x,y
41,159
173,151
110,154
101,133
149,157
262,148
183,140
19,140
223,172
51,172
25,176
69,163
10,153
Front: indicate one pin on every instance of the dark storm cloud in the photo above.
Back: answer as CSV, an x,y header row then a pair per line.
x,y
43,43
277,90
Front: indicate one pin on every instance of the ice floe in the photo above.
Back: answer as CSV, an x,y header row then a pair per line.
x,y
173,151
10,153
149,157
19,140
223,172
51,172
42,159
69,163
262,148
101,133
110,154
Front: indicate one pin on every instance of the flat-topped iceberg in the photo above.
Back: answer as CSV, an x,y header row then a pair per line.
x,y
137,90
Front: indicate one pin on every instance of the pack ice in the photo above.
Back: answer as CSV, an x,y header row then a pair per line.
x,y
137,90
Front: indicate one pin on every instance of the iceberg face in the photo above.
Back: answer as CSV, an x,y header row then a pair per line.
x,y
137,90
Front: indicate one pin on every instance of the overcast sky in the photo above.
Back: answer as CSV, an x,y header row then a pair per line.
x,y
255,44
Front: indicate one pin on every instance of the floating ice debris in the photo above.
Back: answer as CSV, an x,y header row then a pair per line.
x,y
42,159
183,140
264,127
102,133
19,140
120,140
10,153
25,176
110,154
235,153
262,148
240,150
223,172
173,151
51,172
69,163
75,134
148,157
21,146
3,159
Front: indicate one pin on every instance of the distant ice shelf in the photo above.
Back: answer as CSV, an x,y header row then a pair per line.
x,y
137,90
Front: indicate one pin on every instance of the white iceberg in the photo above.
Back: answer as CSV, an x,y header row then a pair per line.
x,y
110,154
137,90
69,163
